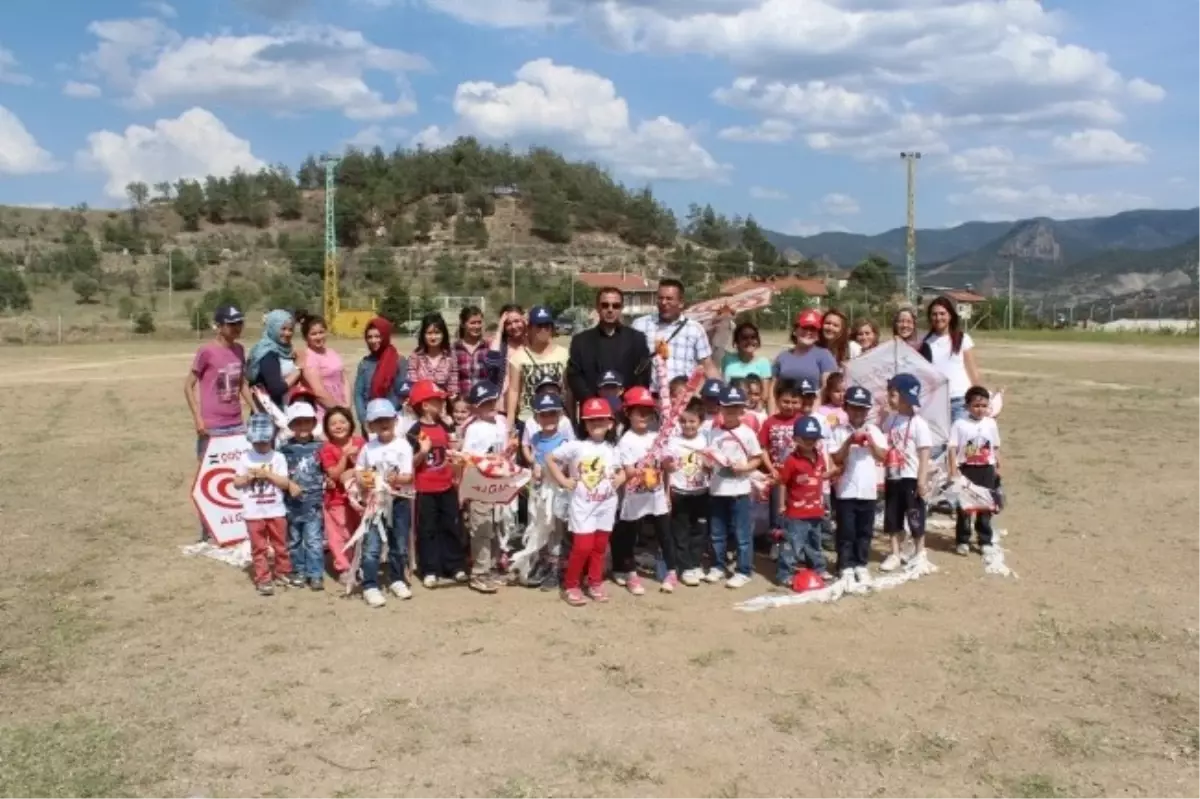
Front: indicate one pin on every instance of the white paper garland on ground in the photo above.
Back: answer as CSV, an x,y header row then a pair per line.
x,y
237,555
913,570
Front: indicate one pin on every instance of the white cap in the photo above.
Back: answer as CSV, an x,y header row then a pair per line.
x,y
380,409
300,410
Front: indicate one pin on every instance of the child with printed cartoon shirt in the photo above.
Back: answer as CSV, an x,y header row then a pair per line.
x,y
387,456
688,467
907,461
439,550
306,521
975,453
736,454
857,447
775,438
546,435
262,477
484,433
590,470
645,496
802,475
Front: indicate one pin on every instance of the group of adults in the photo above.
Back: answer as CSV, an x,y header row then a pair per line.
x,y
522,355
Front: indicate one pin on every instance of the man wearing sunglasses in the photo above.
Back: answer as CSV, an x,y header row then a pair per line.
x,y
610,345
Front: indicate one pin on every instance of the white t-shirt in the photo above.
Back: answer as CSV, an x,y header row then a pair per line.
x,y
262,499
396,456
594,501
691,474
976,442
485,438
860,473
907,434
564,426
736,446
949,364
638,501
854,350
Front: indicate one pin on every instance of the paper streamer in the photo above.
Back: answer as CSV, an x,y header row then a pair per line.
x,y
237,555
915,569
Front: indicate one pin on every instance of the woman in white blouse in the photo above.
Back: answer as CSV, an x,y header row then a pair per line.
x,y
951,351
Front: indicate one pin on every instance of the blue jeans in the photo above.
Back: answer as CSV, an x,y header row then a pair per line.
x,y
397,541
202,444
732,515
306,542
802,542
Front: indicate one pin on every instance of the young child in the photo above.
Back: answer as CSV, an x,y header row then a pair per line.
x,y
439,550
710,395
460,413
801,476
548,387
592,475
337,456
750,418
388,457
907,462
262,477
975,453
755,407
645,496
689,477
406,417
833,396
857,448
775,438
738,453
611,388
810,392
306,522
546,435
483,433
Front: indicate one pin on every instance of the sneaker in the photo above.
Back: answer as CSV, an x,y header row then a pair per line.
x,y
296,581
573,596
963,549
621,578
862,574
430,582
374,598
738,580
316,583
773,554
597,593
826,576
482,584
537,575
265,589
714,575
669,583
281,581
633,584
847,577
551,580
401,590
987,550
460,576
691,577
890,563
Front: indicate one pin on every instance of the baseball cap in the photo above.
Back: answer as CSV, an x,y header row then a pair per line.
x,y
806,427
908,386
483,391
809,318
547,380
611,378
404,389
596,408
540,315
732,396
712,388
808,386
639,397
260,428
228,315
380,409
858,396
548,403
300,410
423,391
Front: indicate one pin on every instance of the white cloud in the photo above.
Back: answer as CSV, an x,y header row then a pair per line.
x,y
192,145
1095,147
908,131
431,138
838,205
764,193
19,151
991,163
80,90
1009,202
814,105
771,131
375,136
165,10
9,72
299,68
580,111
510,14
1145,91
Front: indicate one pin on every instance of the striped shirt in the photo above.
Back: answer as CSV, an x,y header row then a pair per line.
x,y
472,366
688,345
442,370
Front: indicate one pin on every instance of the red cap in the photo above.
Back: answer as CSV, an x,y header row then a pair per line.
x,y
595,408
424,390
809,318
638,397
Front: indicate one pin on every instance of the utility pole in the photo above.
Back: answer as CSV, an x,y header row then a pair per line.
x,y
910,255
512,245
170,284
1009,309
332,301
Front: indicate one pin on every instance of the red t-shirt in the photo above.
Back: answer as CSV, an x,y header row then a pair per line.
x,y
329,455
775,436
803,479
433,473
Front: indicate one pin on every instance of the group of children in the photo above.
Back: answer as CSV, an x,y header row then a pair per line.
x,y
818,462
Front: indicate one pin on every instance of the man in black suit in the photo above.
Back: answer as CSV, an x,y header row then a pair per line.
x,y
608,345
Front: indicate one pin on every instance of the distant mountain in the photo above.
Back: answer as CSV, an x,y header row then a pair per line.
x,y
1163,272
847,249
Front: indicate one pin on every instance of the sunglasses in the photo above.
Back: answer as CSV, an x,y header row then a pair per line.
x,y
611,306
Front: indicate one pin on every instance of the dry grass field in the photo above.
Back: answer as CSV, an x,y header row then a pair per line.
x,y
128,668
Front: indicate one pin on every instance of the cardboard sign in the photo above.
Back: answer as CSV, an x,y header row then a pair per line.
x,y
217,501
872,371
479,487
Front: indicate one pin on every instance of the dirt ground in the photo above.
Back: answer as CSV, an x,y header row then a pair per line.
x,y
128,668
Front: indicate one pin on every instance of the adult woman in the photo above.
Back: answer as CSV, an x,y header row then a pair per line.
x,y
835,337
745,360
470,351
538,361
904,328
321,367
381,373
271,364
510,338
866,334
950,351
433,359
805,359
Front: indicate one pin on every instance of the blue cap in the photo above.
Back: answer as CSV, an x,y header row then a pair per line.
x,y
380,409
547,403
732,396
547,380
228,315
908,386
808,386
260,428
858,396
807,427
483,391
404,389
712,389
611,378
540,315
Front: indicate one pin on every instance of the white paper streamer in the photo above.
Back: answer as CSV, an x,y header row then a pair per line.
x,y
993,560
914,570
237,555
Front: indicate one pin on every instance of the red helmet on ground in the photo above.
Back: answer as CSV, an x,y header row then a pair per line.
x,y
809,318
596,408
424,390
638,397
806,580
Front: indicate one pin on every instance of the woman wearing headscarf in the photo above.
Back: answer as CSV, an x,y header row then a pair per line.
x,y
381,372
271,363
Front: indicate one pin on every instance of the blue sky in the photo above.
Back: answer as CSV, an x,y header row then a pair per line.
x,y
793,110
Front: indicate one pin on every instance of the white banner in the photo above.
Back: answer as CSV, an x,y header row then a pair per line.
x,y
873,369
217,501
479,487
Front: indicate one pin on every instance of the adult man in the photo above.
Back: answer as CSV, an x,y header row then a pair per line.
x,y
607,346
686,340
